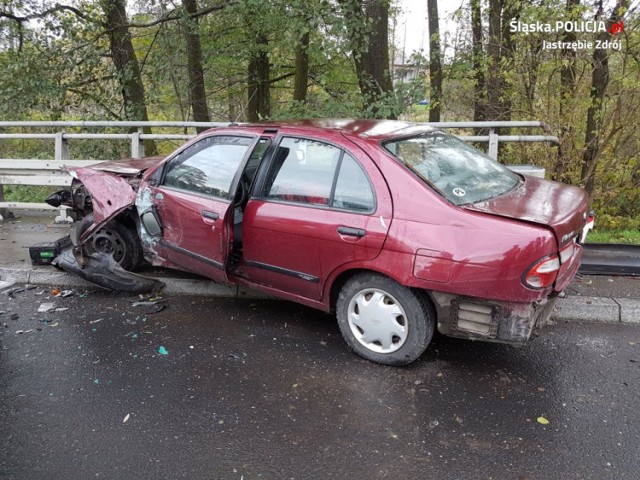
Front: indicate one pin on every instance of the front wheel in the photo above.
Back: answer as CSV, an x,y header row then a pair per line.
x,y
384,321
113,238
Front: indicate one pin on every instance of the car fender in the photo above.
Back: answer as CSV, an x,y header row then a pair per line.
x,y
110,195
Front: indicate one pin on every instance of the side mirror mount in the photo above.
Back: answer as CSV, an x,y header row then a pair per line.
x,y
151,222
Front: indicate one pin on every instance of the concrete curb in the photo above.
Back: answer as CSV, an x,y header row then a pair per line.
x,y
50,276
573,308
597,309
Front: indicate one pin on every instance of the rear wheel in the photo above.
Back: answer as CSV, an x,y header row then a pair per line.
x,y
384,321
113,238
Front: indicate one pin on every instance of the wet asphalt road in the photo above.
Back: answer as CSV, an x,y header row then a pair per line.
x,y
268,389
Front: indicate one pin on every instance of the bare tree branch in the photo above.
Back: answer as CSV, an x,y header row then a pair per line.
x,y
44,13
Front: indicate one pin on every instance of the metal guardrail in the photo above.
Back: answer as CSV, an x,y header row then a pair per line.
x,y
610,259
48,172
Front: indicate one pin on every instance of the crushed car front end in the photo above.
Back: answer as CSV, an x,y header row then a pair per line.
x,y
106,244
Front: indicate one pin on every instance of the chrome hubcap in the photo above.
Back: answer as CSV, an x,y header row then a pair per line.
x,y
378,321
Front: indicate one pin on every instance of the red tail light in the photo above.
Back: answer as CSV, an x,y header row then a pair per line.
x,y
543,273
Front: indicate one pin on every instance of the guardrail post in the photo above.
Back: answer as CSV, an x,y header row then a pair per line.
x,y
62,153
4,212
493,144
137,144
62,147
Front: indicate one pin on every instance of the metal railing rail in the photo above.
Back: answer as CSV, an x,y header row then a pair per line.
x,y
49,172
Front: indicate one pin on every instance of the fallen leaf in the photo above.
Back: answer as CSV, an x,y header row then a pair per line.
x,y
543,421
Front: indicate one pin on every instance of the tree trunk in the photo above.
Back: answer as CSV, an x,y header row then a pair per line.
x,y
302,69
369,36
500,53
599,82
494,80
435,66
567,91
259,104
510,11
480,97
127,67
197,91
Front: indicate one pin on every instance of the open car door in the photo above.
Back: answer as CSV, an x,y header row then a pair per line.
x,y
186,206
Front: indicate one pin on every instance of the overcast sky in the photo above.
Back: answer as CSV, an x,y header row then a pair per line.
x,y
412,30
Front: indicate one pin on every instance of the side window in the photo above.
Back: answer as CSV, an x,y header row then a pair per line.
x,y
208,167
353,190
303,171
256,157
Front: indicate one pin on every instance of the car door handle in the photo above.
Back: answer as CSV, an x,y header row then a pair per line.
x,y
210,215
352,232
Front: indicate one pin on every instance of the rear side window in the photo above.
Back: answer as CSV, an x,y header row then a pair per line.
x,y
310,172
353,190
208,167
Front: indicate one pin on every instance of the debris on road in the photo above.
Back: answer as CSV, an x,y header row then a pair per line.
x,y
46,307
163,351
65,293
6,284
543,420
157,304
146,303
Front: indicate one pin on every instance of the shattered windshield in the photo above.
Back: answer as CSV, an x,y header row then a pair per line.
x,y
461,173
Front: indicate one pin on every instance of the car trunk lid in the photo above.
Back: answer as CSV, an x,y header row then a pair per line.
x,y
562,208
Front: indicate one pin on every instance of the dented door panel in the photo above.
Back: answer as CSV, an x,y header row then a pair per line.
x,y
194,237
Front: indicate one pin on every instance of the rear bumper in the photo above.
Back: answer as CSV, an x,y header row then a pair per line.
x,y
490,321
569,270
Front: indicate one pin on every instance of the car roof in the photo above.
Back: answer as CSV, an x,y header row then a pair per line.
x,y
377,130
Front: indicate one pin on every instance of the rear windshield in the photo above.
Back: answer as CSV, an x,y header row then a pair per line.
x,y
461,173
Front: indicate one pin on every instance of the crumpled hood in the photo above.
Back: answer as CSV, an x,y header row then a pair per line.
x,y
561,207
128,166
110,194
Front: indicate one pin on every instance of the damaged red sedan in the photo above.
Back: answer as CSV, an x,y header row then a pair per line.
x,y
396,227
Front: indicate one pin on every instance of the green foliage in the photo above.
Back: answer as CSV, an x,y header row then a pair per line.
x,y
27,193
626,235
59,68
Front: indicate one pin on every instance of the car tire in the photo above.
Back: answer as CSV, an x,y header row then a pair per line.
x,y
113,237
384,321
